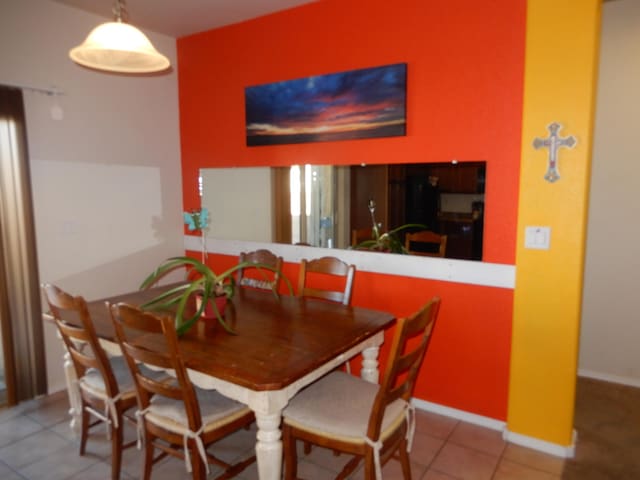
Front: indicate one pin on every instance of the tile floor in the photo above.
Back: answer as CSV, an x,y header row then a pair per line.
x,y
36,443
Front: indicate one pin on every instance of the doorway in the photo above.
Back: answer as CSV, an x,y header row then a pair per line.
x,y
22,363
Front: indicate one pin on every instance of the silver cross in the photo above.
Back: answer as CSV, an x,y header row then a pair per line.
x,y
553,143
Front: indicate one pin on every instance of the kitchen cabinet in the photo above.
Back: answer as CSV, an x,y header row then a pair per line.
x,y
464,235
464,177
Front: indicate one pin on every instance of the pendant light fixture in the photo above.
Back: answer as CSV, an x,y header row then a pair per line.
x,y
119,47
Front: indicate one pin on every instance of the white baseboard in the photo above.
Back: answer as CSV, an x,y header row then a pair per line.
x,y
498,425
542,445
480,420
607,377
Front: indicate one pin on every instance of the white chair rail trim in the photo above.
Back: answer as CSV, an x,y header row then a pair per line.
x,y
444,269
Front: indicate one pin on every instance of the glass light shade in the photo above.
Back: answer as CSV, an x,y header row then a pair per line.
x,y
119,47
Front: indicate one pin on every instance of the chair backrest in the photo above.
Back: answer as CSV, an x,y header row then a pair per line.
x,y
152,340
78,333
426,243
359,235
326,266
405,360
263,279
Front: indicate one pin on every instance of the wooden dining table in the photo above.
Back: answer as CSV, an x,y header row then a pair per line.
x,y
282,344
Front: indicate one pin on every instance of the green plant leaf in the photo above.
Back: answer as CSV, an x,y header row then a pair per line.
x,y
205,283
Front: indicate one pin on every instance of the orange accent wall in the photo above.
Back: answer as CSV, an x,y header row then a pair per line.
x,y
467,362
465,63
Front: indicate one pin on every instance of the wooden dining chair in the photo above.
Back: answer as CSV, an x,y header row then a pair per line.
x,y
359,235
369,421
175,417
426,243
260,278
105,384
332,270
326,267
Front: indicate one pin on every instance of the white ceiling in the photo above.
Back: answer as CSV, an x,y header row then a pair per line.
x,y
178,18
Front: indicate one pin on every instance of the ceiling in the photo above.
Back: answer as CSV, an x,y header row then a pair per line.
x,y
178,18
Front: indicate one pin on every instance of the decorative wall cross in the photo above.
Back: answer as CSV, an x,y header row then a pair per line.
x,y
553,143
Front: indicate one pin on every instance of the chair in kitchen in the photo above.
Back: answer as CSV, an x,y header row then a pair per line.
x,y
257,277
426,243
330,271
175,417
369,421
359,235
105,384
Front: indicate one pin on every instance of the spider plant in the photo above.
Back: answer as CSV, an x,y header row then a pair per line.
x,y
201,280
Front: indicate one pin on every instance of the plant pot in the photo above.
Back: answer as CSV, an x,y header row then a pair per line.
x,y
209,311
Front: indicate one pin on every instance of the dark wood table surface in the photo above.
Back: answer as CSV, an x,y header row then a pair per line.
x,y
278,339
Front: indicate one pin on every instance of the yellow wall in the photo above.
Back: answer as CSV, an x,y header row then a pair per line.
x,y
560,72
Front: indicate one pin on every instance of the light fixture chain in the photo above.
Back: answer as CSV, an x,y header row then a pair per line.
x,y
120,12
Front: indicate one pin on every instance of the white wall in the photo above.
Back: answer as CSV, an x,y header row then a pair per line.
x,y
106,178
239,203
610,332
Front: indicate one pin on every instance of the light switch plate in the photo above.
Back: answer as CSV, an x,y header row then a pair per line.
x,y
537,237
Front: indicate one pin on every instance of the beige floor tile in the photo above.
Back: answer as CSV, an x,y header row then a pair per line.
x,y
324,458
64,429
16,429
132,462
311,471
478,438
435,475
50,412
7,474
435,425
392,470
59,465
238,445
534,459
425,448
32,448
170,469
508,470
99,471
605,451
465,463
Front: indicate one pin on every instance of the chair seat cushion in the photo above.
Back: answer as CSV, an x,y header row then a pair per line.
x,y
339,405
215,410
94,383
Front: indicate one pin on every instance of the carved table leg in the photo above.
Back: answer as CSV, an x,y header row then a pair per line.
x,y
370,365
269,446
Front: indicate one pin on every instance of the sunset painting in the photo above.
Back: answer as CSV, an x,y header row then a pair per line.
x,y
366,103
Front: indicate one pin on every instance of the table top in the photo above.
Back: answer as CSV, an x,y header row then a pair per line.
x,y
278,341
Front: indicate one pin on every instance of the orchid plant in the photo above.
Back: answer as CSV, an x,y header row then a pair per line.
x,y
198,220
388,241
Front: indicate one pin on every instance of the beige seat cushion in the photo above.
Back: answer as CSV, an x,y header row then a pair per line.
x,y
215,410
94,383
93,378
339,406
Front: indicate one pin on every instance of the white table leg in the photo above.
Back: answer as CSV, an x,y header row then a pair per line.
x,y
369,370
269,446
75,402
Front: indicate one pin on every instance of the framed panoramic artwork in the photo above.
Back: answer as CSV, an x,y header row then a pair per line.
x,y
365,103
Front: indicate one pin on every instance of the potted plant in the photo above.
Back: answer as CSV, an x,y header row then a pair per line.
x,y
388,241
201,281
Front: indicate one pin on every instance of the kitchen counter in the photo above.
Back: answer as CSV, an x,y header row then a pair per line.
x,y
455,217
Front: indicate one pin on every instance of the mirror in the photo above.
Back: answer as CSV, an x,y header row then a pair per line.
x,y
324,205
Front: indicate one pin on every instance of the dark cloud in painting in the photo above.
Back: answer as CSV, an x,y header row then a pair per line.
x,y
362,103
